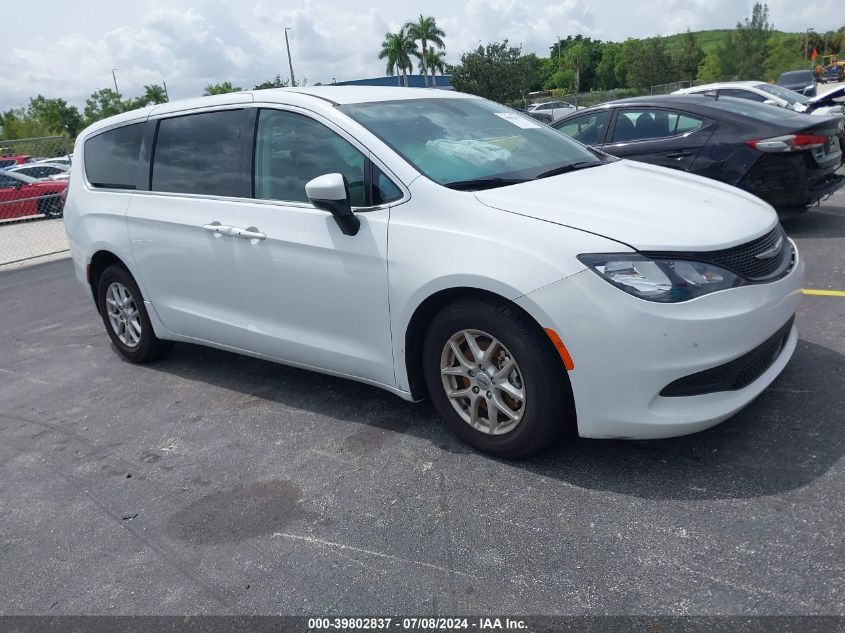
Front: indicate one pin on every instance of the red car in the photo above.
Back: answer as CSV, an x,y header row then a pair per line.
x,y
22,196
17,159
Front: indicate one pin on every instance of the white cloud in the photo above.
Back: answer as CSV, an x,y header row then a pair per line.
x,y
190,43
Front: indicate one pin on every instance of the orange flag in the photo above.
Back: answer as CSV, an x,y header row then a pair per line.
x,y
814,55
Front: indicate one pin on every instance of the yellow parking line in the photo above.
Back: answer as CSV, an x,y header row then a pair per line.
x,y
824,293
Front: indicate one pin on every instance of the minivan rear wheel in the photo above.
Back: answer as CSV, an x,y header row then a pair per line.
x,y
126,319
495,378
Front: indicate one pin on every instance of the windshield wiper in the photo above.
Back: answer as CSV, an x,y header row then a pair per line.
x,y
476,184
563,169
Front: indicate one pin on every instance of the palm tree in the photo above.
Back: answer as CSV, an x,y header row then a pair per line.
x,y
577,57
435,61
397,49
219,89
154,94
426,30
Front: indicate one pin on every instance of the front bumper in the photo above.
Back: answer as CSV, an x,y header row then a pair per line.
x,y
627,350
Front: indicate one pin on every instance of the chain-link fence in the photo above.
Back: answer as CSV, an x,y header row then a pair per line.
x,y
33,180
665,89
583,99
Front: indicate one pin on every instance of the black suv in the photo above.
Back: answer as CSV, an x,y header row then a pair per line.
x,y
801,81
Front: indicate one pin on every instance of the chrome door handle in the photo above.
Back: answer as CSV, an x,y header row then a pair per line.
x,y
217,228
248,234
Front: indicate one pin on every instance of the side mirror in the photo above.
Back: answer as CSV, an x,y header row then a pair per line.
x,y
330,192
809,90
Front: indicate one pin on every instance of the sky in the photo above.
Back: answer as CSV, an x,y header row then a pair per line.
x,y
65,49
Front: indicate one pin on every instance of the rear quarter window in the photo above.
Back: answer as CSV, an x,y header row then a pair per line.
x,y
111,158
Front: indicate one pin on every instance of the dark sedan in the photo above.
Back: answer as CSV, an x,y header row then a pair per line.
x,y
787,159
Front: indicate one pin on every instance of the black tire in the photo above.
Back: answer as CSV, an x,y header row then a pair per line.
x,y
149,348
548,408
51,206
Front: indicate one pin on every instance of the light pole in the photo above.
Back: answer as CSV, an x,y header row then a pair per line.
x,y
290,61
114,77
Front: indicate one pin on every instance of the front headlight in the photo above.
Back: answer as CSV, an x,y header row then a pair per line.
x,y
661,280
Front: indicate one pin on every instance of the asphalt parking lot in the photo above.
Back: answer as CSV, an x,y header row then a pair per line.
x,y
213,483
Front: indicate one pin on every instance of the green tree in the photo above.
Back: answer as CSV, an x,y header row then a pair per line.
x,y
154,94
426,30
749,43
710,69
221,89
498,72
687,59
648,62
578,58
435,62
609,67
560,80
396,50
19,123
276,82
55,115
101,104
784,54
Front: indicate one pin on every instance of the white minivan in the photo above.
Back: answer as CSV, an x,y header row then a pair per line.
x,y
435,244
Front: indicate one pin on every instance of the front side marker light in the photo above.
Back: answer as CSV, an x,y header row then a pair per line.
x,y
561,349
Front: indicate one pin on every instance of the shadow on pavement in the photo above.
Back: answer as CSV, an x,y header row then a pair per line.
x,y
783,441
826,221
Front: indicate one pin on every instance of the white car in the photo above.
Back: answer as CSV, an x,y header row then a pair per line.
x,y
58,160
555,109
42,171
435,244
823,105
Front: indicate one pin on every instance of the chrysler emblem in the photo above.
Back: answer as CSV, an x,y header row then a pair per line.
x,y
770,252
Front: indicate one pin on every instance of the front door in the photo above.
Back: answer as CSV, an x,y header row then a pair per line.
x,y
316,297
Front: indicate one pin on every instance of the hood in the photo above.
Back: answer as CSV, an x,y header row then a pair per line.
x,y
646,207
827,98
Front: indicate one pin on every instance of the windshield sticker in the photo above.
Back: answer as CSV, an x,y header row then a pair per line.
x,y
518,120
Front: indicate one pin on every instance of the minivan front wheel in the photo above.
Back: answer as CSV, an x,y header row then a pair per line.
x,y
125,317
495,378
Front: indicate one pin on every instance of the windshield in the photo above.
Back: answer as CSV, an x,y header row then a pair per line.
x,y
454,141
790,96
804,77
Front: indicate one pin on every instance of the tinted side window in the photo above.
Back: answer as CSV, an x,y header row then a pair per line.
x,y
638,125
111,158
587,128
6,163
6,182
384,189
199,153
741,94
291,149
